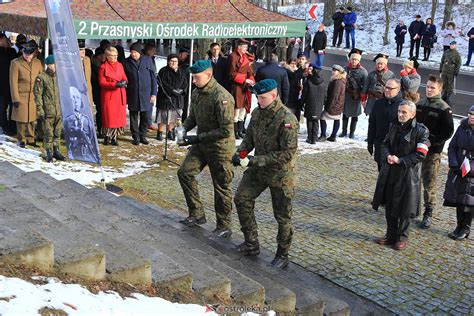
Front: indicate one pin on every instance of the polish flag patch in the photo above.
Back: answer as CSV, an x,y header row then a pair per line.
x,y
465,167
422,148
287,125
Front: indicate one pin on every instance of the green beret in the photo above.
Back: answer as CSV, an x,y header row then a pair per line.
x,y
264,86
49,60
200,66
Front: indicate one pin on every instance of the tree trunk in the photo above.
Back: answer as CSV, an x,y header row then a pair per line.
x,y
387,6
448,12
329,10
434,6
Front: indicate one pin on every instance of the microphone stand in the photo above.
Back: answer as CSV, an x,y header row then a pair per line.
x,y
165,156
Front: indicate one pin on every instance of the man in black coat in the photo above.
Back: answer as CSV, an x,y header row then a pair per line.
x,y
383,114
141,92
438,118
272,70
416,31
7,54
398,183
338,28
219,65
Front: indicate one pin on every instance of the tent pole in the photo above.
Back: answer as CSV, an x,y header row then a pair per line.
x,y
190,75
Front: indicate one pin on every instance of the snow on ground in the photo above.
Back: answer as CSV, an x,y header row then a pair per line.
x,y
371,24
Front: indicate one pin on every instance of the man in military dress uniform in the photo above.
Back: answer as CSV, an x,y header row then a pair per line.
x,y
48,109
212,109
273,133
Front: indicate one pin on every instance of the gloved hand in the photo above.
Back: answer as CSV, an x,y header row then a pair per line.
x,y
190,140
363,97
403,73
370,149
236,160
250,164
16,104
121,84
456,170
177,92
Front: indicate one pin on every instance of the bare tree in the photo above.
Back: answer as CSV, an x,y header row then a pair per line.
x,y
448,12
434,6
329,9
387,6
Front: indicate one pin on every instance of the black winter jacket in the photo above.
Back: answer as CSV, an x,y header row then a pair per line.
x,y
172,80
314,97
274,71
319,41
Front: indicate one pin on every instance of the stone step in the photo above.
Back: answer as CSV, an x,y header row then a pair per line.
x,y
21,245
244,290
207,281
309,301
72,253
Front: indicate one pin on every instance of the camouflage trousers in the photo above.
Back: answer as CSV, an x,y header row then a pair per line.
x,y
429,174
52,128
222,175
281,184
448,85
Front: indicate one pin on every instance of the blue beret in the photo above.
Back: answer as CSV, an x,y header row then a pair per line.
x,y
200,66
264,86
49,60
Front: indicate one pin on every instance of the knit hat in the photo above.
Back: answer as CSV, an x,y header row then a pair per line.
x,y
409,63
49,60
471,109
136,47
200,66
264,86
338,68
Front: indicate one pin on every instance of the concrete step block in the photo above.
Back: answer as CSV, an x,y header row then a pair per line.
x,y
21,245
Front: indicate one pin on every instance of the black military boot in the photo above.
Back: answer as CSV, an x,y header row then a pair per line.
x,y
57,154
249,248
344,127
459,220
426,222
466,226
159,135
106,140
49,155
240,126
236,130
352,128
281,259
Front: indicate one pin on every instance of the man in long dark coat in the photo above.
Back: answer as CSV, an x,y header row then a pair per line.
x,y
398,184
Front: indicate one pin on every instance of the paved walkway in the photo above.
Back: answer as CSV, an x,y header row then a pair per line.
x,y
334,231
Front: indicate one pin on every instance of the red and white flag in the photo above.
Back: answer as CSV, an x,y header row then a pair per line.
x,y
465,167
422,148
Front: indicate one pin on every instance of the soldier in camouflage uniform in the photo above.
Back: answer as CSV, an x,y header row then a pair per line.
x,y
48,109
212,110
449,68
273,133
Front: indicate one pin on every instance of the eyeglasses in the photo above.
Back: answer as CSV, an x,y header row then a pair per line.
x,y
470,114
390,88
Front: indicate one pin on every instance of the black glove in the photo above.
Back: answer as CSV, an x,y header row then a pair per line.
x,y
177,92
190,140
236,160
456,171
16,104
370,149
250,161
121,84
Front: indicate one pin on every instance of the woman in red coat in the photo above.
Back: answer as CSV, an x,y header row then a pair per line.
x,y
112,80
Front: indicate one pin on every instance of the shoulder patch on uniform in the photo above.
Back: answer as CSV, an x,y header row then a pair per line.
x,y
38,79
288,125
225,102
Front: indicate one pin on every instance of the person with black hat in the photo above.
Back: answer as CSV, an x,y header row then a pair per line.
x,y
273,134
212,110
349,23
141,92
356,75
449,69
338,17
20,40
375,82
48,109
416,32
242,78
23,72
458,189
429,38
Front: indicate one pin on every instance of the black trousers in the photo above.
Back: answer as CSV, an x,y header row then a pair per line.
x,y
338,34
313,129
399,49
397,226
414,43
139,130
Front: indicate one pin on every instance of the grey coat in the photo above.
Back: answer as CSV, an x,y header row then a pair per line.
x,y
374,86
355,83
411,83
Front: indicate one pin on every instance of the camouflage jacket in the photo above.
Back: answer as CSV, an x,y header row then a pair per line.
x,y
212,111
47,95
450,62
273,133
